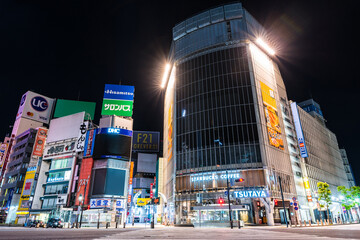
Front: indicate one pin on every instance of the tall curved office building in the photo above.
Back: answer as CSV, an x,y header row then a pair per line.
x,y
223,123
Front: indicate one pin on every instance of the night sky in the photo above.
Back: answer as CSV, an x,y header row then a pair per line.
x,y
70,49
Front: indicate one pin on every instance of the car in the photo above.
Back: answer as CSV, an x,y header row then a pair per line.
x,y
55,223
136,219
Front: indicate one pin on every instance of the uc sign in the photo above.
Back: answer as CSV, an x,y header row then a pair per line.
x,y
39,104
146,141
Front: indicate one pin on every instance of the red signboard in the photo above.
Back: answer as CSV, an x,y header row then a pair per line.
x,y
84,180
40,142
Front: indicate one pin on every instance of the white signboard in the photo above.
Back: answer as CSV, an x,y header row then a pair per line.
x,y
35,107
80,143
59,149
105,203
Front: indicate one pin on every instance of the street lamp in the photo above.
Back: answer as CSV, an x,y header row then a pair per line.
x,y
166,75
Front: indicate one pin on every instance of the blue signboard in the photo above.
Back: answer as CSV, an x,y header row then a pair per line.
x,y
119,92
118,131
299,132
251,194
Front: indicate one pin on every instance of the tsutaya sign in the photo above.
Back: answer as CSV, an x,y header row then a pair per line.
x,y
215,176
251,194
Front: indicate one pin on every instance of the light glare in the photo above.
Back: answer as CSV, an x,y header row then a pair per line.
x,y
166,75
265,46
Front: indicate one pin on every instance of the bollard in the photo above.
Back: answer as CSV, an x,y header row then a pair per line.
x,y
107,225
322,223
239,224
317,220
300,223
327,222
309,223
304,223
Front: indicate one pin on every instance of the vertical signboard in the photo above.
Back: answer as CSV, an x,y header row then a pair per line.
x,y
118,100
89,142
307,189
40,142
271,116
3,151
298,129
130,181
80,143
26,191
84,180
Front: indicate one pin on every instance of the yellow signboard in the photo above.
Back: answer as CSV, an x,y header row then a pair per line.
x,y
307,189
142,201
26,191
271,117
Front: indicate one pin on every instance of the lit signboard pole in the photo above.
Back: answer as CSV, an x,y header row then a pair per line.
x,y
283,202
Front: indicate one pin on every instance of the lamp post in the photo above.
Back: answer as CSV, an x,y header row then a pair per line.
x,y
228,195
283,202
82,199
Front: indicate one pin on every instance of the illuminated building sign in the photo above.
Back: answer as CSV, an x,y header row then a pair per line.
x,y
118,100
251,194
105,203
215,176
307,189
115,131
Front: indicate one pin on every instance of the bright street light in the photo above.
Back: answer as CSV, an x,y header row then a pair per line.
x,y
265,46
166,75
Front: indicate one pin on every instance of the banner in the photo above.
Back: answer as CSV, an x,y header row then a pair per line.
x,y
299,131
40,142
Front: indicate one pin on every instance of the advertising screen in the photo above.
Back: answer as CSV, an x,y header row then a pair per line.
x,y
271,116
118,100
146,162
35,107
27,187
109,181
112,146
40,142
146,141
67,107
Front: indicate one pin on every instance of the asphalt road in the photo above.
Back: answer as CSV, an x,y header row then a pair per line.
x,y
279,232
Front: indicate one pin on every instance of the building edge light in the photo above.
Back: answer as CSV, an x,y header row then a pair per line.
x,y
265,46
166,75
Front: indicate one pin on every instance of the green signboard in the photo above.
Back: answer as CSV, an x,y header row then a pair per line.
x,y
117,107
67,107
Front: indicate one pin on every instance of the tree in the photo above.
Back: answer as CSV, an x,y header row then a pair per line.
x,y
350,196
325,195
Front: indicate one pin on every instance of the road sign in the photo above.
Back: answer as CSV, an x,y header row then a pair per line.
x,y
294,199
296,208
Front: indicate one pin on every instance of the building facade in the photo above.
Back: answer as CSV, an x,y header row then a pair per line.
x,y
320,161
348,169
221,123
16,171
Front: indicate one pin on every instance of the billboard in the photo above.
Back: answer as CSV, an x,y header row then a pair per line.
x,y
146,141
65,127
26,191
39,142
118,100
84,180
299,131
80,143
35,107
271,116
130,181
65,147
146,162
67,107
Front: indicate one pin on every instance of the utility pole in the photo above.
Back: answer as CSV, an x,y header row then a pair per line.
x,y
228,195
283,202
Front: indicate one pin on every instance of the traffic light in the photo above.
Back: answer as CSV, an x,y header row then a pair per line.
x,y
221,201
240,180
88,207
275,202
258,203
